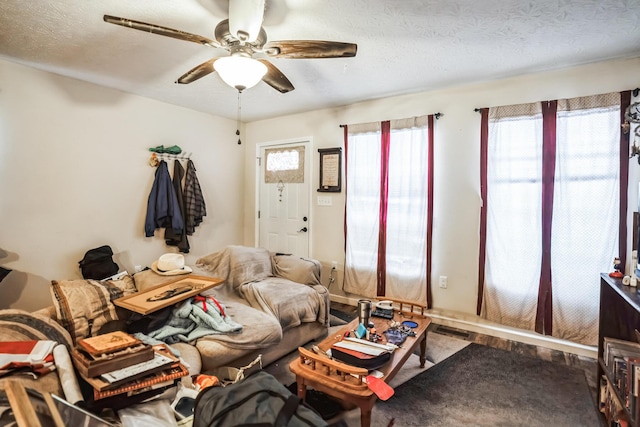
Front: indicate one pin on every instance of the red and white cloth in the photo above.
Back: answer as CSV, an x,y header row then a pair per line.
x,y
33,356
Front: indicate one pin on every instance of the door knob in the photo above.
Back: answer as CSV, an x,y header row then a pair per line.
x,y
302,230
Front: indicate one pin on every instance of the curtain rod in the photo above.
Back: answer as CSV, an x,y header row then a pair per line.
x,y
436,115
635,92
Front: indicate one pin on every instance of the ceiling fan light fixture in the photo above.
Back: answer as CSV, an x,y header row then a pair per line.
x,y
240,72
245,19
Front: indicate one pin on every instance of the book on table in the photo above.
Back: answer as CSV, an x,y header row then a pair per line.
x,y
107,343
117,365
92,366
160,379
162,359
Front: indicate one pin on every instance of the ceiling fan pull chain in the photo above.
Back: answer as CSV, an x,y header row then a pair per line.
x,y
239,118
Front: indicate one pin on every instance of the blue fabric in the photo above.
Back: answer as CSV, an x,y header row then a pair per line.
x,y
189,321
163,210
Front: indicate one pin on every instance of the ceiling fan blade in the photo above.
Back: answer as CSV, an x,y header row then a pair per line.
x,y
304,49
163,31
197,72
275,78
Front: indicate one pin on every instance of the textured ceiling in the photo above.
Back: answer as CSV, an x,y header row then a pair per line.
x,y
404,46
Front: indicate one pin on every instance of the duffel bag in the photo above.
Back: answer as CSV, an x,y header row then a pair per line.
x,y
258,400
98,263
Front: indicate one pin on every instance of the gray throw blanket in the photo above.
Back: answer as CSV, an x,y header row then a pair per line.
x,y
194,318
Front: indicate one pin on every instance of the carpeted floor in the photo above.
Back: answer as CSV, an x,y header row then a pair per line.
x,y
439,348
468,384
484,386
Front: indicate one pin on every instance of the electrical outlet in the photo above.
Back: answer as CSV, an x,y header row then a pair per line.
x,y
443,281
334,265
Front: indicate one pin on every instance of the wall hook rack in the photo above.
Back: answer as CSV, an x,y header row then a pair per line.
x,y
155,158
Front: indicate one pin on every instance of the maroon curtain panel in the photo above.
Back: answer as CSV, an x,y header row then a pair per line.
x,y
484,141
385,141
430,123
544,318
346,156
625,101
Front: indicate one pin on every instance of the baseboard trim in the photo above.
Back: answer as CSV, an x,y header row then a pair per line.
x,y
476,324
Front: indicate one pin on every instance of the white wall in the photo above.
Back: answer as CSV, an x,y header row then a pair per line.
x,y
74,175
457,201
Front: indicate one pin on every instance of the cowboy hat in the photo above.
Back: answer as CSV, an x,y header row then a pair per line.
x,y
170,265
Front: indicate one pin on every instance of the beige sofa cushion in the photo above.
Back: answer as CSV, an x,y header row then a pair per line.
x,y
297,269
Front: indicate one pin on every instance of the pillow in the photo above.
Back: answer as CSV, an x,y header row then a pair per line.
x,y
84,306
296,269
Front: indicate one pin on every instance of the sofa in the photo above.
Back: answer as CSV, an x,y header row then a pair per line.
x,y
277,299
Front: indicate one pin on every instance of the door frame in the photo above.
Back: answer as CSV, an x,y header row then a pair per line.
x,y
291,141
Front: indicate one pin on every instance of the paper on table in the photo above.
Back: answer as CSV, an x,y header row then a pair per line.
x,y
364,346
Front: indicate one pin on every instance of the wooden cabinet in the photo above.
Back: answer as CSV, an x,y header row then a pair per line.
x,y
619,318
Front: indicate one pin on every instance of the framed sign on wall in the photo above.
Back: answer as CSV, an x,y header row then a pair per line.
x,y
330,170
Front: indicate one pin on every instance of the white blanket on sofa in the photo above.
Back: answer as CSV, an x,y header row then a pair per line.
x,y
249,272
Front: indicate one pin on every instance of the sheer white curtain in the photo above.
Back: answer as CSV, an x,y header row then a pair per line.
x,y
585,216
407,211
514,215
362,211
583,135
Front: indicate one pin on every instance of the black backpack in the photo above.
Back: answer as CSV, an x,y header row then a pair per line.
x,y
98,263
258,401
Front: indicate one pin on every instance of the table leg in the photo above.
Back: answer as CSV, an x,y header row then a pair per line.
x,y
423,350
302,388
365,417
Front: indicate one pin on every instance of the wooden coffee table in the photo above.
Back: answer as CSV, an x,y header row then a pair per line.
x,y
344,382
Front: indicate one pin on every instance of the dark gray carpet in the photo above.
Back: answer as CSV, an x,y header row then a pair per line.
x,y
484,386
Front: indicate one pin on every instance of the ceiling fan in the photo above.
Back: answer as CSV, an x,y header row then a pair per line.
x,y
243,37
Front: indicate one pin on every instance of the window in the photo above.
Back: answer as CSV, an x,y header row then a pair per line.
x,y
284,165
388,211
554,180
